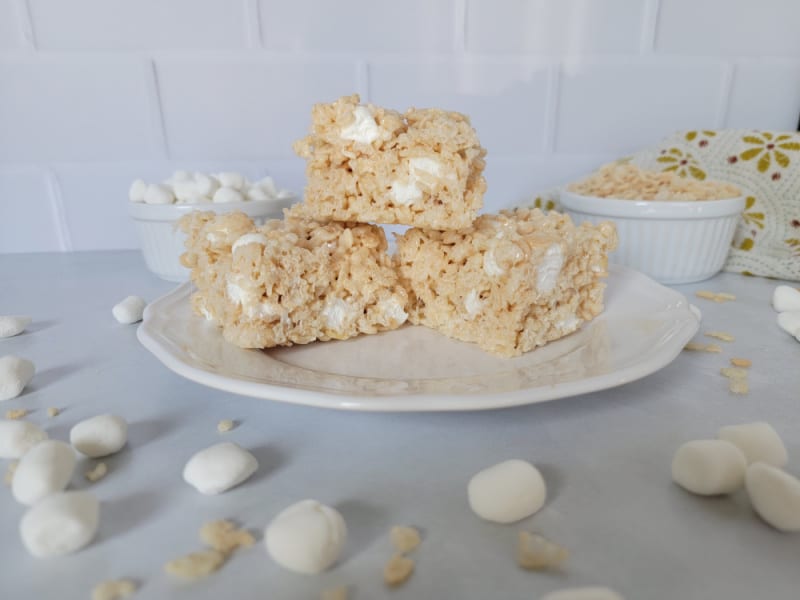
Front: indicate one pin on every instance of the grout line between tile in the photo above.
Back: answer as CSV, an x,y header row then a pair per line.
x,y
252,25
726,89
362,80
459,26
59,212
25,23
157,126
647,41
551,108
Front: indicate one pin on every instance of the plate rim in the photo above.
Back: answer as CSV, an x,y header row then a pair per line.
x,y
417,402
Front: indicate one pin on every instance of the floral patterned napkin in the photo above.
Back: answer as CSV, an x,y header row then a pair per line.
x,y
765,165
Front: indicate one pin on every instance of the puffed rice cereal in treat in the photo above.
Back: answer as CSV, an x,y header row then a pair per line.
x,y
373,165
294,281
510,282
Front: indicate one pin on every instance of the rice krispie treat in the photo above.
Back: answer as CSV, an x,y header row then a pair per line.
x,y
373,165
510,282
293,281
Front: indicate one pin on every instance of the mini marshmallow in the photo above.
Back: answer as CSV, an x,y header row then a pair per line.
x,y
227,194
205,185
775,496
43,471
99,436
709,467
219,468
185,191
180,175
159,193
790,322
15,374
759,442
137,191
307,537
13,325
17,437
130,310
257,194
583,593
267,184
507,492
232,180
284,194
61,524
786,298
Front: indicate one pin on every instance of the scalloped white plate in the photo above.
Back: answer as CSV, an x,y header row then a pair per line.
x,y
643,328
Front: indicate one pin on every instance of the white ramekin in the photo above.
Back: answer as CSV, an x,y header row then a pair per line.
x,y
162,242
672,242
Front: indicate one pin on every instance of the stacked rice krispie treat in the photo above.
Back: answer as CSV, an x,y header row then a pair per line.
x,y
508,282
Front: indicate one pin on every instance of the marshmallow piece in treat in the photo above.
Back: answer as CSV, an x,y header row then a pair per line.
x,y
13,325
307,537
130,310
61,524
786,298
218,468
42,471
775,496
15,374
759,442
709,467
99,436
507,492
17,437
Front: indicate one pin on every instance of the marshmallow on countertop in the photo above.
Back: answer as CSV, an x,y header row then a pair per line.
x,y
219,468
130,310
42,471
99,436
17,437
759,442
786,298
63,523
307,537
775,496
15,374
789,321
13,325
709,467
507,492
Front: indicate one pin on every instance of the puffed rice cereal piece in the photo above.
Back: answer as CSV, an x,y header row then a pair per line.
x,y
535,552
720,335
225,536
398,570
113,590
196,565
97,472
404,539
583,593
15,414
225,426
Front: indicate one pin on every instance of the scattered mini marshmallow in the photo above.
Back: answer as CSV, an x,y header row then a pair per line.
x,y
759,442
507,492
231,180
786,298
219,468
43,470
99,436
257,194
790,322
404,539
775,496
225,536
226,194
398,570
15,374
137,191
13,325
185,191
159,193
17,437
60,524
225,425
15,414
113,590
583,593
130,310
97,472
205,185
307,537
196,565
709,467
536,553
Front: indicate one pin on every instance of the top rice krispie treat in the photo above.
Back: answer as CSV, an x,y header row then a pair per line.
x,y
509,282
293,281
370,164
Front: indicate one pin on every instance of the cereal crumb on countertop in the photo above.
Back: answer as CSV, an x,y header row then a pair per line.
x,y
535,552
738,385
720,335
196,565
398,570
12,467
741,362
16,413
225,425
225,536
53,412
698,347
97,472
404,539
337,593
113,590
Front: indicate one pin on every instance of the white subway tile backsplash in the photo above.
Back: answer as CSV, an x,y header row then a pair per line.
x,y
554,26
729,27
765,96
244,108
137,25
506,101
27,220
357,25
72,109
10,31
623,106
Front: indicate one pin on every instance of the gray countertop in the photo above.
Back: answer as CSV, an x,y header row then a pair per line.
x,y
605,457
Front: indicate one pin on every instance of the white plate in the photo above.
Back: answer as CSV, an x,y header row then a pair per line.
x,y
643,328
